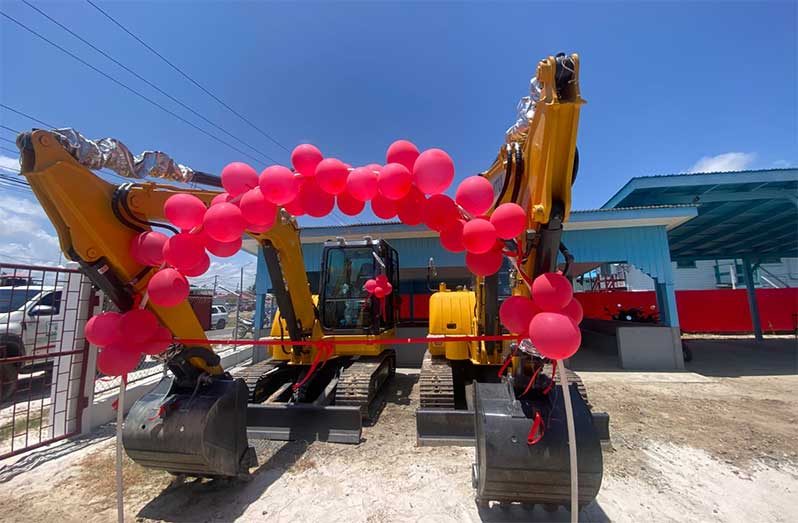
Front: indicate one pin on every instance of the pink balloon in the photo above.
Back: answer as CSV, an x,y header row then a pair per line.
x,y
377,168
552,291
305,158
331,174
509,220
440,212
516,312
199,269
382,207
484,264
147,248
394,181
138,325
574,311
224,222
118,359
184,210
222,197
159,342
388,288
183,250
479,236
167,288
370,285
411,207
554,335
475,195
258,229
452,237
223,249
379,292
294,207
362,184
315,201
403,152
349,205
103,329
238,178
382,280
278,184
433,171
256,209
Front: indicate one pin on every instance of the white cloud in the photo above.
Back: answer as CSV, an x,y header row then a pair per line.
x,y
26,235
227,272
8,163
723,162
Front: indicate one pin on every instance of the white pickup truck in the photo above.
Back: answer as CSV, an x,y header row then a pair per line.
x,y
31,324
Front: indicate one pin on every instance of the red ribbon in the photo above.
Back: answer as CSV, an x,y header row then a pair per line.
x,y
536,431
553,373
531,381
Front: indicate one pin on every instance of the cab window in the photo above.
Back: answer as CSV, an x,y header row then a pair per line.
x,y
52,299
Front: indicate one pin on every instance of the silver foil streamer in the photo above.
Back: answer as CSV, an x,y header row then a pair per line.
x,y
526,111
110,153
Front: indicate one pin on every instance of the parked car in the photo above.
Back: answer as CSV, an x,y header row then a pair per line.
x,y
31,320
218,317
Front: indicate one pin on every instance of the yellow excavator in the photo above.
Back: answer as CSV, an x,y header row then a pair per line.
x,y
199,420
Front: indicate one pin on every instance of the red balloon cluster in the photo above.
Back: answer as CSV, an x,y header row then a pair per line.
x,y
551,317
124,338
379,286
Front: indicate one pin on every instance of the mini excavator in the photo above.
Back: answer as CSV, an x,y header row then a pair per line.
x,y
516,418
198,420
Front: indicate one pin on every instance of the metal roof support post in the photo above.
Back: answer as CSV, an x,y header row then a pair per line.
x,y
748,272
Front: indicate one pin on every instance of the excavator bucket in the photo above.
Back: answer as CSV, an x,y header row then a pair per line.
x,y
200,431
509,469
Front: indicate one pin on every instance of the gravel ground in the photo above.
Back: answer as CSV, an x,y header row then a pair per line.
x,y
685,447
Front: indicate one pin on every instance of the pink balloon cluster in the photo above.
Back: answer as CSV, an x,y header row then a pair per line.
x,y
124,338
551,317
379,286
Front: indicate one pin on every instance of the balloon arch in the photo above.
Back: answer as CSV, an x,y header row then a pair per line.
x,y
410,185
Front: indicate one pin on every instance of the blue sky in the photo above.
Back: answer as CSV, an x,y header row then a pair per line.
x,y
670,86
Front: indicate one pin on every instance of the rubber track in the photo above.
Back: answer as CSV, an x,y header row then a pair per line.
x,y
436,385
361,382
252,375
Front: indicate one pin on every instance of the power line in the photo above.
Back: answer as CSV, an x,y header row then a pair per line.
x,y
6,149
51,126
9,129
128,88
186,76
7,140
134,73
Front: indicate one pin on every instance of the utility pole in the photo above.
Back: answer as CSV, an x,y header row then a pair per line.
x,y
238,300
215,280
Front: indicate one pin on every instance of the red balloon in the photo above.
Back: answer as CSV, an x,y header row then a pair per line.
x,y
159,342
305,158
382,280
383,207
224,222
452,236
388,288
433,171
349,205
278,184
315,201
475,195
552,291
377,168
147,248
167,288
223,249
258,229
138,325
294,207
222,197
238,178
103,329
184,210
403,152
484,264
509,220
574,311
184,250
554,335
118,359
370,285
362,184
479,236
394,181
256,209
411,207
199,269
516,312
440,212
379,292
331,174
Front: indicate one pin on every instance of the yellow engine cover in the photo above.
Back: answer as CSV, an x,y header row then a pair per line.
x,y
451,313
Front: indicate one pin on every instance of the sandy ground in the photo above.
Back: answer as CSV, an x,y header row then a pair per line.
x,y
685,447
